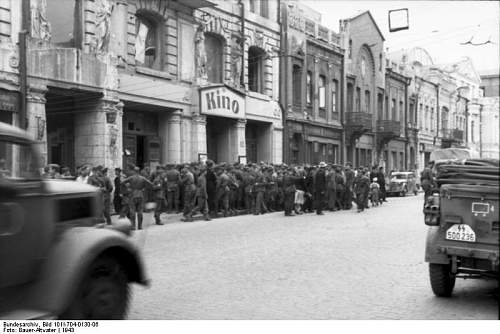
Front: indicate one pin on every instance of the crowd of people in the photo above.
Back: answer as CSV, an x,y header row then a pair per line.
x,y
215,190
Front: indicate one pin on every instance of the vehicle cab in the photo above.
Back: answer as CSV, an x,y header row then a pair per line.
x,y
54,251
402,183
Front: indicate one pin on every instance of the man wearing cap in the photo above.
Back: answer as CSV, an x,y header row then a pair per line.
x,y
107,190
187,182
159,181
138,185
173,178
349,180
211,187
320,188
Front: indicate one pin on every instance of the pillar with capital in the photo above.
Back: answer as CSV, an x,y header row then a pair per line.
x,y
37,118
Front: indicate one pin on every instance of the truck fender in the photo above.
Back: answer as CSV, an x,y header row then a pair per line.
x,y
432,254
68,261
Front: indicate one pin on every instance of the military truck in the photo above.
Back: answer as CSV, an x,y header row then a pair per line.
x,y
462,215
57,259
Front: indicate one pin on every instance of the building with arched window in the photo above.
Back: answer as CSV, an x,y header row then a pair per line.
x,y
365,82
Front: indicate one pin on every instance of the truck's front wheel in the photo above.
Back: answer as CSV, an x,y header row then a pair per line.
x,y
103,293
442,280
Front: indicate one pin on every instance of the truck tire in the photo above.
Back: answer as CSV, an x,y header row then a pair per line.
x,y
442,281
103,294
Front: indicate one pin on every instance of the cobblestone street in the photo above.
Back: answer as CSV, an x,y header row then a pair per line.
x,y
342,265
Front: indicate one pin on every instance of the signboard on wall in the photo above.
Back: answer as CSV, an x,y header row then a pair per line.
x,y
222,101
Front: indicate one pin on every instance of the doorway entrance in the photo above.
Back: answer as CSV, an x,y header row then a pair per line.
x,y
221,139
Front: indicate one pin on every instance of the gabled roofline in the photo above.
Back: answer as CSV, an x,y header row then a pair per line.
x,y
373,20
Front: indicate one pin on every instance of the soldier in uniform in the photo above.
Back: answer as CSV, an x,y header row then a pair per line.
x,y
172,185
117,198
201,195
427,181
260,189
159,186
331,188
138,186
340,189
248,184
187,182
289,191
108,189
362,188
320,188
381,183
222,191
211,188
349,183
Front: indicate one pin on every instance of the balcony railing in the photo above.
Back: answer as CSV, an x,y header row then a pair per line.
x,y
389,128
453,134
361,120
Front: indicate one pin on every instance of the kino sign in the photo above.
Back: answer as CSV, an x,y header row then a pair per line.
x,y
221,101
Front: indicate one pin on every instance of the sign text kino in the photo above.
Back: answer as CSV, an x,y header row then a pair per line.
x,y
222,102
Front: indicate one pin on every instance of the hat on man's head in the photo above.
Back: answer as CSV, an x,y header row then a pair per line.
x,y
322,164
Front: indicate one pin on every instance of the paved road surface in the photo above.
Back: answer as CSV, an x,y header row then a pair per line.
x,y
342,265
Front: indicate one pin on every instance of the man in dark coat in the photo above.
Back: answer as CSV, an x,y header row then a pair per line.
x,y
349,182
117,198
211,188
289,192
172,187
381,183
138,185
320,188
362,189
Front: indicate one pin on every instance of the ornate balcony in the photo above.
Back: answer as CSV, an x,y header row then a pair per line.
x,y
386,131
357,123
387,128
451,136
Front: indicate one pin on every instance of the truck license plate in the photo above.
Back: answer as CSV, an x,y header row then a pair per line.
x,y
461,232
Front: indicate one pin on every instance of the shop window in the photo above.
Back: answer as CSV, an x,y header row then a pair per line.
x,y
297,84
322,91
214,47
309,84
393,109
420,123
380,61
335,112
148,41
358,99
350,49
256,69
350,93
368,101
65,30
444,118
401,161
394,164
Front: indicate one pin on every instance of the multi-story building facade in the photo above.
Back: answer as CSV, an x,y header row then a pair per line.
x,y
438,104
485,135
376,98
146,82
312,87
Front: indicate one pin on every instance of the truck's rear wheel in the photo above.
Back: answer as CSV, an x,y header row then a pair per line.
x,y
103,293
442,280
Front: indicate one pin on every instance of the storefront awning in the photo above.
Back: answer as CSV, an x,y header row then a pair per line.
x,y
196,3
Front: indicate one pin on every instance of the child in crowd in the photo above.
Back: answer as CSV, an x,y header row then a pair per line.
x,y
375,192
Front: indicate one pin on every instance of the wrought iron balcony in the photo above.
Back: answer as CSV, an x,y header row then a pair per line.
x,y
388,128
357,123
455,135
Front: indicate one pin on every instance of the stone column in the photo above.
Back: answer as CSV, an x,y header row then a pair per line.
x,y
241,148
37,118
174,137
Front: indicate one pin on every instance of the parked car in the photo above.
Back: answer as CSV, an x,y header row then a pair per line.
x,y
402,183
56,258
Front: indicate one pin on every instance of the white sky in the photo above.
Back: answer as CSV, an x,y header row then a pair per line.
x,y
437,26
